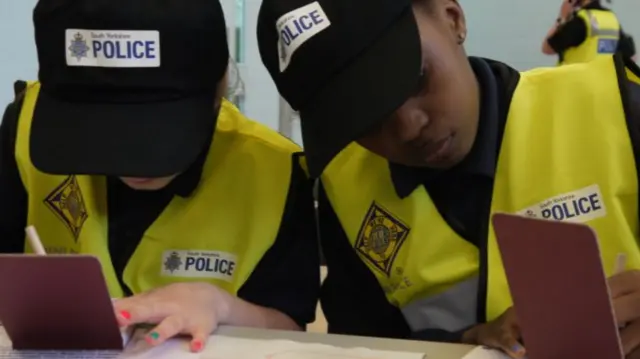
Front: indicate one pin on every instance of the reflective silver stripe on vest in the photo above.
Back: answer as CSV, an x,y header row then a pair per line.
x,y
452,310
605,32
596,31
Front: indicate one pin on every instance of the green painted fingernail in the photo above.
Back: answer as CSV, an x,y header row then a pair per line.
x,y
154,335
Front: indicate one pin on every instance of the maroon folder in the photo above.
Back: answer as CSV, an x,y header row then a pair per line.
x,y
56,302
559,288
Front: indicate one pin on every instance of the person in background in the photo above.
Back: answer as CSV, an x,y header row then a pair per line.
x,y
585,29
125,149
417,145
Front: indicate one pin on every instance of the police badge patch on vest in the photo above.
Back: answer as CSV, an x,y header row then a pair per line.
x,y
581,206
380,238
607,46
67,203
198,264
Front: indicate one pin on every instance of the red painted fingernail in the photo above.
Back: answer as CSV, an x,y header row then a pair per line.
x,y
125,314
196,346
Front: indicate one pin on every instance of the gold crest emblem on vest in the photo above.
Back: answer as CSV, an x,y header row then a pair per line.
x,y
380,238
67,204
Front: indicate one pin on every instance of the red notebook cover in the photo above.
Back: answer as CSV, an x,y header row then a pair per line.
x,y
57,302
559,288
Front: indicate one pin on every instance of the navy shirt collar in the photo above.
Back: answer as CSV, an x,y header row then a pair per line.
x,y
482,158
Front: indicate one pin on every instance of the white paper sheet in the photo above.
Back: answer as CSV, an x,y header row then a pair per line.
x,y
4,339
485,353
223,347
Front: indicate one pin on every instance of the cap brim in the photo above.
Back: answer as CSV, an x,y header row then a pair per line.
x,y
133,140
364,94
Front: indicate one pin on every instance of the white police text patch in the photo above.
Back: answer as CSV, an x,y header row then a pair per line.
x,y
112,48
582,205
297,27
198,264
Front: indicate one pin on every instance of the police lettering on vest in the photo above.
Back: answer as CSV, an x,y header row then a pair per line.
x,y
297,27
210,265
572,207
607,46
112,48
198,264
578,206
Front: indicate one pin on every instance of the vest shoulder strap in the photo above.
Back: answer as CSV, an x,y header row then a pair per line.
x,y
232,121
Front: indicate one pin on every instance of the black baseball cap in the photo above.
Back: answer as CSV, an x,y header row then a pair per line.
x,y
127,86
345,65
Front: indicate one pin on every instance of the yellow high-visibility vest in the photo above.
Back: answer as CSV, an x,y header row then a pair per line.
x,y
558,160
603,34
217,235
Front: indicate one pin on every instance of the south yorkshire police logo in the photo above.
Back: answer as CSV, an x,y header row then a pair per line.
x,y
78,46
67,203
380,238
173,262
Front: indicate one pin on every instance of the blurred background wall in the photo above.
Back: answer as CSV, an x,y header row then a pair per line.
x,y
506,30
